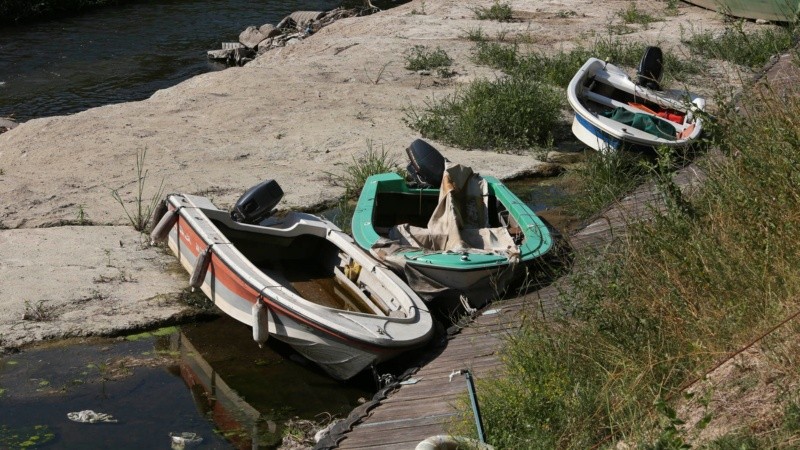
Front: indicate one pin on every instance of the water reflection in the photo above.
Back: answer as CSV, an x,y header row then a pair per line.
x,y
250,393
126,379
208,378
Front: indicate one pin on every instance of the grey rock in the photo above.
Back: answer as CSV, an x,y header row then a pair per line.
x,y
251,36
269,30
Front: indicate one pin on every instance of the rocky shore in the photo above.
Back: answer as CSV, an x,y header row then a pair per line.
x,y
70,263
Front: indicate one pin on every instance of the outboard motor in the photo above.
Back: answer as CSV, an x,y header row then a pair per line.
x,y
258,202
426,166
651,68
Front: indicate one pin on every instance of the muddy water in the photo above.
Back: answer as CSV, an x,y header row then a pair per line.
x,y
208,379
548,198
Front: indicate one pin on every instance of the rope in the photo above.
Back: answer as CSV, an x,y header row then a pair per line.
x,y
738,352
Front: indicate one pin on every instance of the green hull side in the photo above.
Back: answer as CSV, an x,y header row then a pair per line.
x,y
774,10
538,239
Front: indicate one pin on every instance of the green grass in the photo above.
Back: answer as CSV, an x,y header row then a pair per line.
x,y
521,110
632,14
671,9
422,58
505,114
143,208
475,35
749,49
665,303
558,69
369,163
603,179
500,12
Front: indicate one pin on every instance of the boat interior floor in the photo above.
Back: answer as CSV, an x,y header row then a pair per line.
x,y
315,284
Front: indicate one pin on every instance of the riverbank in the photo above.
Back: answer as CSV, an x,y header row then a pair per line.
x,y
296,114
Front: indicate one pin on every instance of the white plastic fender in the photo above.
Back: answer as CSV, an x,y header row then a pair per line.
x,y
260,314
200,269
447,442
161,230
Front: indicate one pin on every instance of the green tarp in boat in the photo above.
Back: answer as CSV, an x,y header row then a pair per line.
x,y
645,122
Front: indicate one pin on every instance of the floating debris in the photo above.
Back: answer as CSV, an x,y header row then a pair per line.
x,y
89,416
180,441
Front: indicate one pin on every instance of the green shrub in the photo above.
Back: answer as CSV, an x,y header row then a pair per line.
x,y
369,163
421,58
505,114
499,56
500,12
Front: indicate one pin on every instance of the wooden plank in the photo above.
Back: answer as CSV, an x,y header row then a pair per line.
x,y
401,438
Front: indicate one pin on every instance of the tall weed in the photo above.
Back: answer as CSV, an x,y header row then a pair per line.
x,y
369,163
143,207
604,179
749,49
664,303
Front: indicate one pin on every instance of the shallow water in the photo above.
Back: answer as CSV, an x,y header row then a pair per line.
x,y
207,378
124,53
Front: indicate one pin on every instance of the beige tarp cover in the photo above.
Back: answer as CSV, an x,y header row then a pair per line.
x,y
459,223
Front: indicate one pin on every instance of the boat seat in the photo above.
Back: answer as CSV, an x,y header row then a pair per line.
x,y
347,283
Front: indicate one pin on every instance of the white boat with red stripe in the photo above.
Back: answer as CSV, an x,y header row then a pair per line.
x,y
296,277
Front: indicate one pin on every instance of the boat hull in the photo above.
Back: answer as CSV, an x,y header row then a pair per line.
x,y
343,343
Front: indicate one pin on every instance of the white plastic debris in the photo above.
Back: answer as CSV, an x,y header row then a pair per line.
x,y
181,440
89,416
410,381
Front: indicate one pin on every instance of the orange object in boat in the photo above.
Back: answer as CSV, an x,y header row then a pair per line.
x,y
642,107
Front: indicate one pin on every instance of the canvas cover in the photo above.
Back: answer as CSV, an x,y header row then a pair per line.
x,y
459,223
645,122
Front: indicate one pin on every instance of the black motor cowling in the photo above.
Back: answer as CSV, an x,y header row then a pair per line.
x,y
426,166
651,68
258,202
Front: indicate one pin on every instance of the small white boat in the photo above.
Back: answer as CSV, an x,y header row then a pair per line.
x,y
612,112
296,277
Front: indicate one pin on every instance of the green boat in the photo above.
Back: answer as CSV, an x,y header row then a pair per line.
x,y
470,241
774,10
